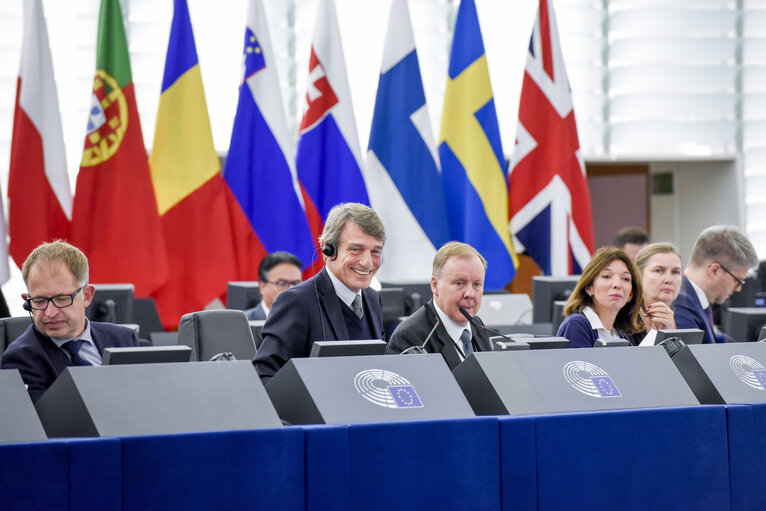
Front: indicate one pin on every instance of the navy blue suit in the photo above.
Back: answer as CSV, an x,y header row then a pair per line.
x,y
689,312
40,361
308,312
256,313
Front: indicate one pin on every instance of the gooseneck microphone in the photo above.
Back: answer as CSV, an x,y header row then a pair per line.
x,y
473,321
422,348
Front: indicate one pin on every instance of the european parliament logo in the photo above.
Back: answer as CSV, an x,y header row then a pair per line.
x,y
749,371
590,379
387,389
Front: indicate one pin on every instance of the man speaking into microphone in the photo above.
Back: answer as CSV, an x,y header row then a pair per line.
x,y
457,281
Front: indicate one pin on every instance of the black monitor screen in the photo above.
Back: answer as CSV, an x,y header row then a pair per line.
x,y
348,348
146,355
546,343
112,303
242,295
545,291
688,335
744,323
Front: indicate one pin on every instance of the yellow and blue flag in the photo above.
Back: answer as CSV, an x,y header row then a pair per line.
x,y
471,154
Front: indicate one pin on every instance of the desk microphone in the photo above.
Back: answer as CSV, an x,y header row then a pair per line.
x,y
419,350
473,321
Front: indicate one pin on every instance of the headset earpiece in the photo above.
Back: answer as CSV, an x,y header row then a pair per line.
x,y
329,250
26,306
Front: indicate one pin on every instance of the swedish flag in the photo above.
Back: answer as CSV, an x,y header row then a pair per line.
x,y
473,165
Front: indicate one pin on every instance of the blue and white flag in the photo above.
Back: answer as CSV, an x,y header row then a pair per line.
x,y
403,175
328,159
260,168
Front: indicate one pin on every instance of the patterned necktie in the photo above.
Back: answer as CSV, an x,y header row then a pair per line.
x,y
709,317
73,347
466,338
356,306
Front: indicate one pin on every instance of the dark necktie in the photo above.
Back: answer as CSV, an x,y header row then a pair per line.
x,y
73,347
709,317
356,306
466,338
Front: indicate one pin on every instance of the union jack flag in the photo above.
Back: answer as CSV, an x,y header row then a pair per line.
x,y
549,200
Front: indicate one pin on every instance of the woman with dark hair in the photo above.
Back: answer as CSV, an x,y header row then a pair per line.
x,y
606,301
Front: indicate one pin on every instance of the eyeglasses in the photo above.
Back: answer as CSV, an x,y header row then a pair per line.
x,y
739,280
283,284
40,303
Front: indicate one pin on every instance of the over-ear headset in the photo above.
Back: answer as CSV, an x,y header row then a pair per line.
x,y
26,306
329,250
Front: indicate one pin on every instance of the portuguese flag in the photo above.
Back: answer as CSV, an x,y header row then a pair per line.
x,y
115,219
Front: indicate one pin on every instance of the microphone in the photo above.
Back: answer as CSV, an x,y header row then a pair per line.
x,y
420,350
473,321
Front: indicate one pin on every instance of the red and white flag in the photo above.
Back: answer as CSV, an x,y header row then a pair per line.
x,y
550,209
39,197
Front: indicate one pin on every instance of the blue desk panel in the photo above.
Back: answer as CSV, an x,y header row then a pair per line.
x,y
95,474
261,469
668,458
518,464
34,476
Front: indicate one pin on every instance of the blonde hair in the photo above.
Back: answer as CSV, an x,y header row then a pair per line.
x,y
58,251
454,249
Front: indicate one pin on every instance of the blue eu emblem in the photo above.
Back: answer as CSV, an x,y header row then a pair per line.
x,y
405,396
761,376
605,386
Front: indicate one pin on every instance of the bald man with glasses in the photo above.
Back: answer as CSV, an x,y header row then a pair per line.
x,y
56,276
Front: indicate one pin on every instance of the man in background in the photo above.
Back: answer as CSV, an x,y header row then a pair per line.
x,y
631,240
278,271
720,260
56,276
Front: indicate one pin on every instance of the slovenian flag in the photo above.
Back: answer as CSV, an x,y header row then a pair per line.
x,y
328,158
260,168
402,164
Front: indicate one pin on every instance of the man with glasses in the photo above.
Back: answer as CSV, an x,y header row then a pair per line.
x,y
720,260
278,271
56,276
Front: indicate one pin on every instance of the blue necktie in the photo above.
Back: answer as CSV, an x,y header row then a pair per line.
x,y
709,317
466,338
73,347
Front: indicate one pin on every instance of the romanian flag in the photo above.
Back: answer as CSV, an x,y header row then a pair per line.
x,y
473,165
39,199
114,218
203,225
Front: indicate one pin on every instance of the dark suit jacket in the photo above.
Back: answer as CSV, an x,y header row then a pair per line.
x,y
40,361
256,313
308,312
689,312
414,330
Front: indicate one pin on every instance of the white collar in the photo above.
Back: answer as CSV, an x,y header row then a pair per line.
x,y
454,330
344,293
265,309
597,325
701,295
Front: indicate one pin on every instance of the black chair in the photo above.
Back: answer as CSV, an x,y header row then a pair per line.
x,y
415,294
212,332
256,327
147,318
11,328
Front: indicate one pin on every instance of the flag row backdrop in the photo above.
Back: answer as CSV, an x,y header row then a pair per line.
x,y
179,228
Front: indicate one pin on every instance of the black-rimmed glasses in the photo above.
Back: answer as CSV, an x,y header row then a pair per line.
x,y
739,280
40,303
283,284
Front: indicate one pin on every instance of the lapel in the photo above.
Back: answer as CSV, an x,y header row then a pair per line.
x,y
442,342
58,358
331,305
372,307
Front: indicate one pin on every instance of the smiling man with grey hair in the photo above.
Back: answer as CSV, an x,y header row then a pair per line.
x,y
720,260
337,303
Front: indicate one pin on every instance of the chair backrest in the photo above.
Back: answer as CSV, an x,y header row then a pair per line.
x,y
145,315
11,328
211,332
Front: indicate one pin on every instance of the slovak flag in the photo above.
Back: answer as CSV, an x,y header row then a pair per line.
x,y
260,169
328,159
549,199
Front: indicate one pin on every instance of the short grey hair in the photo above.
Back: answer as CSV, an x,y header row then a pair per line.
x,y
363,216
726,245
